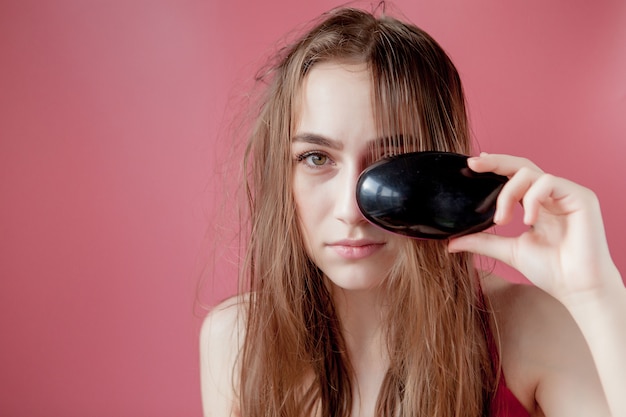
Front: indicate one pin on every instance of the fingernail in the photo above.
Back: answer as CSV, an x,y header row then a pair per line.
x,y
452,248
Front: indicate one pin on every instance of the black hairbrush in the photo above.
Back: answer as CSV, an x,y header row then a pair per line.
x,y
428,195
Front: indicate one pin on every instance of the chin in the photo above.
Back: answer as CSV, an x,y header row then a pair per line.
x,y
355,279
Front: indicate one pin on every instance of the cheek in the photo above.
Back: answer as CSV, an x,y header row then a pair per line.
x,y
304,220
312,206
301,190
307,210
300,203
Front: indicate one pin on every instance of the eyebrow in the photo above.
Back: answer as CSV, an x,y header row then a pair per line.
x,y
316,139
399,142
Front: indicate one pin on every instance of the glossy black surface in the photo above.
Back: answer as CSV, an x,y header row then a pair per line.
x,y
428,195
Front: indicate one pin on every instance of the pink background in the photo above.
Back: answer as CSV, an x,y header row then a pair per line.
x,y
113,127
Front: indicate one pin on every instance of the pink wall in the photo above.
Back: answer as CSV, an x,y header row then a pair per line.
x,y
112,127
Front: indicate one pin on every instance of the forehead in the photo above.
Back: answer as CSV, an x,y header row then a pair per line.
x,y
332,83
335,95
339,70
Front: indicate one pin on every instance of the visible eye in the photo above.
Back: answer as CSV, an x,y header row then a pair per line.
x,y
314,159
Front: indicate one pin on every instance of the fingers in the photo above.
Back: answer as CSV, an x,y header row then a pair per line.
x,y
566,237
486,244
539,193
506,165
543,192
522,175
513,192
527,184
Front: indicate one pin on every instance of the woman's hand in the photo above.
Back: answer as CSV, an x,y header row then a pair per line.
x,y
564,251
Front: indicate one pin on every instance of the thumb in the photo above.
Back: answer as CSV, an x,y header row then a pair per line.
x,y
486,244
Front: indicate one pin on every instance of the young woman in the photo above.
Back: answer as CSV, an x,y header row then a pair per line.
x,y
345,319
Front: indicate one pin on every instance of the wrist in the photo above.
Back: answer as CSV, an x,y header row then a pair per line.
x,y
592,304
606,284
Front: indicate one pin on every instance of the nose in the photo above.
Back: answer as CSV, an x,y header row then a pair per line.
x,y
346,207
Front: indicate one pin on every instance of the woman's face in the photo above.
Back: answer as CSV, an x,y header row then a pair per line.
x,y
334,128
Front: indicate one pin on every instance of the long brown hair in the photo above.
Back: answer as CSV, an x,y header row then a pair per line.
x,y
293,361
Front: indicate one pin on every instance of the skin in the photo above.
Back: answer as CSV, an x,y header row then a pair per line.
x,y
560,339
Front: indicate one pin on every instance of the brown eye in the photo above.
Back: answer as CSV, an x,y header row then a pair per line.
x,y
314,159
318,159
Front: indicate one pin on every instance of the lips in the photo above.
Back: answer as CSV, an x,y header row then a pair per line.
x,y
356,249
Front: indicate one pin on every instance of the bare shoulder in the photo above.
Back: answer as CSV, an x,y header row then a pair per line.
x,y
545,358
221,338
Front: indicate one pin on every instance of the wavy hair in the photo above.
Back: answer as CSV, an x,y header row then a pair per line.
x,y
293,360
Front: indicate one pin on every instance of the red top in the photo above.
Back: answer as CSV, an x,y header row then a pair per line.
x,y
505,404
